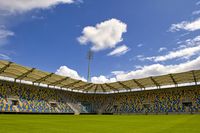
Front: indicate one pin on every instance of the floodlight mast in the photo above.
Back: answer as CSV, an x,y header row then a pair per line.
x,y
89,57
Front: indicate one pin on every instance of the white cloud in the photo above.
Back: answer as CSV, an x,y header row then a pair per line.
x,y
38,17
13,7
196,12
189,42
182,53
4,57
140,45
140,57
162,49
4,33
102,79
104,35
27,5
184,34
149,70
119,51
159,69
65,71
117,72
198,3
185,25
187,50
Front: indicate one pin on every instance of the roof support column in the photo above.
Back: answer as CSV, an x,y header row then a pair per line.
x,y
71,84
5,67
43,78
25,74
138,84
58,82
102,88
95,90
194,77
89,88
124,86
173,80
111,88
82,87
155,82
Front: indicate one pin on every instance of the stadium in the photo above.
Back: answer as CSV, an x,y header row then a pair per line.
x,y
67,95
32,91
107,66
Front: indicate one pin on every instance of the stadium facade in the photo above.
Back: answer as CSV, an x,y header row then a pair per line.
x,y
28,90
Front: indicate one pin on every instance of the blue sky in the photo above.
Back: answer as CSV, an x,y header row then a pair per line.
x,y
130,39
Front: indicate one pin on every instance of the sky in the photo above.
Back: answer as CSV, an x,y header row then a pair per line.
x,y
129,39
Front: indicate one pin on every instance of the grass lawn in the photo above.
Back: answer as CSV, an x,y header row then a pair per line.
x,y
99,124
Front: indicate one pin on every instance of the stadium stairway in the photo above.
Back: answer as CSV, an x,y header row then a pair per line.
x,y
75,108
83,109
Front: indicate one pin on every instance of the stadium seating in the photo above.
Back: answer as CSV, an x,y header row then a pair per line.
x,y
30,99
15,97
157,101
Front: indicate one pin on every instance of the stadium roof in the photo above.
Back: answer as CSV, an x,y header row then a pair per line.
x,y
36,77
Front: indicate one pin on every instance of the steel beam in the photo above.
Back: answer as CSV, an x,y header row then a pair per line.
x,y
155,82
139,84
88,88
59,81
173,80
102,88
194,77
124,86
5,67
112,88
83,86
71,84
96,88
25,74
43,78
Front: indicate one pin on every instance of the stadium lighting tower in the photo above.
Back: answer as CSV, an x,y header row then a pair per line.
x,y
89,57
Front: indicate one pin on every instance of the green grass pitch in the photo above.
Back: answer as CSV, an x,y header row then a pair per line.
x,y
99,124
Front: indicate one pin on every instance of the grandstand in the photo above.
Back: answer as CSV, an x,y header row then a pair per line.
x,y
29,90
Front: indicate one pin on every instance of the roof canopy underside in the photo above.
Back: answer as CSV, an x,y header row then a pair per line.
x,y
36,77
